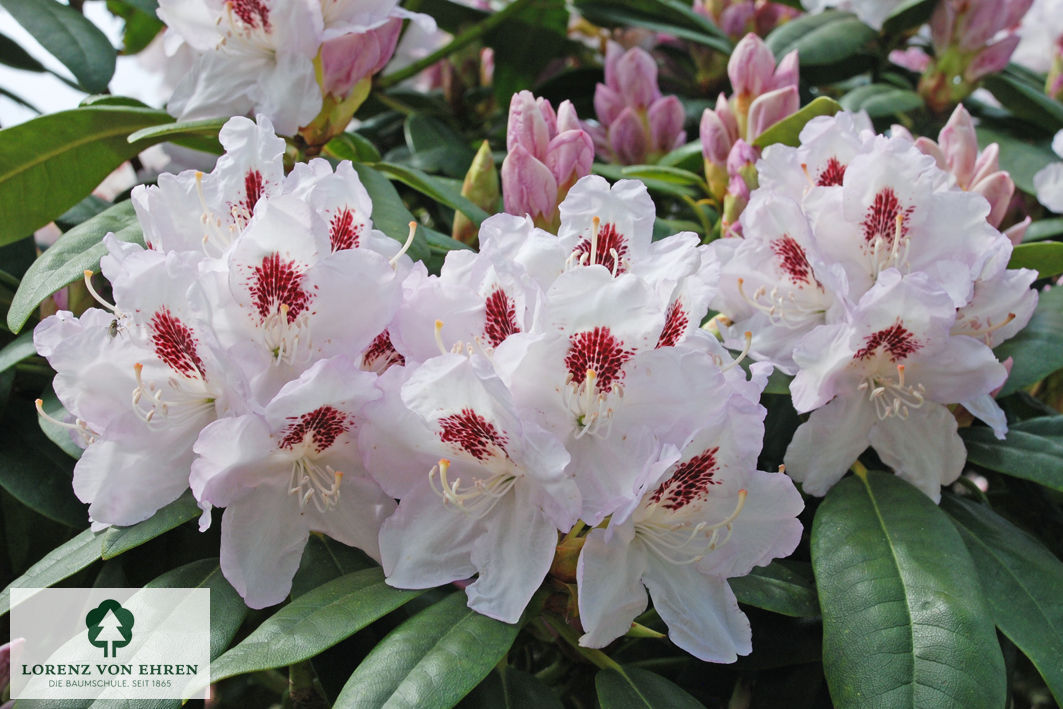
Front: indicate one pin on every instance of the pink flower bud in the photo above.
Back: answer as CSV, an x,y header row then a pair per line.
x,y
941,24
547,112
627,138
613,52
566,117
727,116
737,20
742,156
526,127
977,24
528,186
607,104
666,117
1015,232
787,73
998,189
348,59
986,164
570,156
1014,11
959,144
770,108
931,148
992,59
912,59
716,140
751,66
636,73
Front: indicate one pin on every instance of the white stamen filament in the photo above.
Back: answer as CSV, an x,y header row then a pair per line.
x,y
782,306
394,260
893,397
685,543
986,331
88,436
215,231
95,294
477,499
592,408
896,254
316,483
188,399
596,223
741,355
289,340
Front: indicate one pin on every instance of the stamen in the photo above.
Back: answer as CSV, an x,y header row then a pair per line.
x,y
95,295
79,426
987,331
477,499
893,398
315,483
781,306
190,399
394,260
741,355
596,224
439,338
680,543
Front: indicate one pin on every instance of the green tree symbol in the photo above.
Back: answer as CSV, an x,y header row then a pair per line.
x,y
109,623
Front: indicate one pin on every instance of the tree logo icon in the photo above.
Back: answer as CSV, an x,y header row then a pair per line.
x,y
109,624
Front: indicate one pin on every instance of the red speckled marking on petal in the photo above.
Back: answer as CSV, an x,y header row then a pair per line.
x,y
175,344
381,354
609,240
689,482
323,425
342,231
278,282
896,340
881,217
792,259
675,326
253,13
598,350
473,434
832,174
500,317
254,187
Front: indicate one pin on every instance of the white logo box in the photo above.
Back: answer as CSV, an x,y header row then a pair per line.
x,y
151,643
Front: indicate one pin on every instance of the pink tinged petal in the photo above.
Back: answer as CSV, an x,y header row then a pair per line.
x,y
348,59
262,540
716,140
666,118
512,555
942,23
567,118
1016,232
751,66
613,53
986,408
923,449
636,74
570,156
607,104
528,186
628,139
357,517
427,543
928,147
826,445
979,23
959,144
228,459
1014,11
991,59
998,189
526,126
609,578
727,117
547,112
737,19
1048,183
770,108
787,72
701,612
912,59
987,163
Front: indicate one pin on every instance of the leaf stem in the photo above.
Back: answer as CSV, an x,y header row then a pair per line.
x,y
467,37
595,657
858,468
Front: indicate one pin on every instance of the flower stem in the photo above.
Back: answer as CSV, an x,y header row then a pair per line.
x,y
467,37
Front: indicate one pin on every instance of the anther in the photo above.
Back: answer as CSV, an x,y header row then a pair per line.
x,y
439,338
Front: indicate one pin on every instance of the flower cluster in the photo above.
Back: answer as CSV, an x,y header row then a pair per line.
x,y
546,386
867,272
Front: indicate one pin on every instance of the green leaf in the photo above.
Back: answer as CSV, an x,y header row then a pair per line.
x,y
205,126
314,622
432,660
1018,156
70,38
904,620
436,146
1032,450
389,213
631,688
60,563
352,146
66,260
668,186
664,16
51,162
1044,229
832,45
1022,580
664,173
227,609
908,15
881,100
1038,348
325,559
435,189
56,432
1045,257
788,130
451,17
688,157
17,350
13,55
35,472
1027,102
525,45
119,540
512,689
778,589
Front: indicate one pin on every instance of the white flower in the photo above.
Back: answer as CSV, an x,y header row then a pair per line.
x,y
1049,180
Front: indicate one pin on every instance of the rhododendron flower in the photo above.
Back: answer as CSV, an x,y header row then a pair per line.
x,y
1049,180
289,470
870,12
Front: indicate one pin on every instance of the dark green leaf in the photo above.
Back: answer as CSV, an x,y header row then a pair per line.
x,y
1022,580
881,100
119,540
777,589
525,45
314,622
70,38
1038,348
12,54
687,157
1027,102
35,472
1044,229
38,177
435,189
634,688
666,17
56,432
353,147
1018,156
436,146
227,609
19,100
63,561
432,660
389,213
669,186
1032,450
908,15
1046,257
205,126
788,130
450,16
832,45
905,623
663,173
325,559
17,350
509,688
66,260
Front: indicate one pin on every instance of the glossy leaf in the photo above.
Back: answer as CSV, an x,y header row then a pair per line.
x,y
431,661
17,350
436,147
389,213
325,559
1022,580
353,147
37,179
895,581
788,130
70,38
205,126
634,688
778,589
314,622
665,173
1021,158
1044,229
509,688
1032,450
60,563
665,16
1027,102
1037,350
12,54
881,100
832,44
227,609
908,15
1046,258
435,189
66,260
118,540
